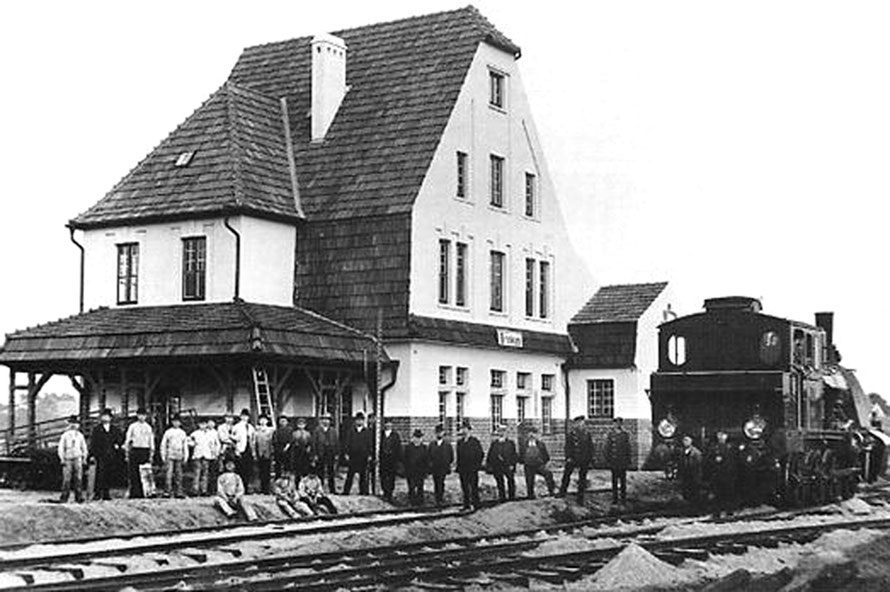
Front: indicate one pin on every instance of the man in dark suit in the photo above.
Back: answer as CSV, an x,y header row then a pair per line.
x,y
441,456
390,456
501,462
359,446
105,444
535,458
579,455
326,448
417,465
618,459
469,462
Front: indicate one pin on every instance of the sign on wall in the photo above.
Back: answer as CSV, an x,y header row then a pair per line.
x,y
507,338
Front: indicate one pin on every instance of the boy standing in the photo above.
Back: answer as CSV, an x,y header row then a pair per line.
x,y
72,454
174,453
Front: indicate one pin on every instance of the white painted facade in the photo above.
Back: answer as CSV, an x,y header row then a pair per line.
x,y
267,261
630,384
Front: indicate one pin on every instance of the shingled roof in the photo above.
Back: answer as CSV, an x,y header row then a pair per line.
x,y
403,78
619,303
182,331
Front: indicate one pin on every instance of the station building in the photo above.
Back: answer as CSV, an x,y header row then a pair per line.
x,y
362,212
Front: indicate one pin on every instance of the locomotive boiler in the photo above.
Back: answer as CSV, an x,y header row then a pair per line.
x,y
799,419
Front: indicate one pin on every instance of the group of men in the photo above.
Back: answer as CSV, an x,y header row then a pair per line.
x,y
302,461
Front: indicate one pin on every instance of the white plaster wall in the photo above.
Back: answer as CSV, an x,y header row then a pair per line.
x,y
267,261
480,130
647,335
630,396
416,392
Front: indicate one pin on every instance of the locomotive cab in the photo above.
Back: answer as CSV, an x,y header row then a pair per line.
x,y
775,387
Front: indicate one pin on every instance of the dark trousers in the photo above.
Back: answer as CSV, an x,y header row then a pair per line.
x,y
244,464
138,456
619,485
321,501
327,470
280,463
439,487
469,487
530,472
506,482
102,488
571,466
415,490
213,475
388,481
360,469
264,468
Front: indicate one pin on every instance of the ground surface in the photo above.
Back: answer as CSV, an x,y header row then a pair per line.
x,y
27,516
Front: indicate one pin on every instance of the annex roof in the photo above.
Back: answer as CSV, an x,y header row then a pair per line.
x,y
619,303
184,331
403,80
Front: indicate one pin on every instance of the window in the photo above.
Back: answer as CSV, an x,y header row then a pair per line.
x,y
128,273
194,267
529,287
530,195
546,415
459,408
496,97
770,347
601,398
521,408
497,281
544,290
497,181
460,280
547,382
497,410
443,409
444,270
497,379
445,375
461,376
676,350
522,380
462,175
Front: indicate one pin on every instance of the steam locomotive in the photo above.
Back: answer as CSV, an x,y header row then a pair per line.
x,y
800,420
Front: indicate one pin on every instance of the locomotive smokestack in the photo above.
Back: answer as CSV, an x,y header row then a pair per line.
x,y
825,321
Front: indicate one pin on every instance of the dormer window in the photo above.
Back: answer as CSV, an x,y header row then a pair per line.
x,y
185,158
497,84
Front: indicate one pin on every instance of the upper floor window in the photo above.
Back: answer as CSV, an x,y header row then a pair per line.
x,y
544,293
128,273
530,194
601,398
497,181
497,88
460,272
462,179
529,287
444,271
497,282
194,268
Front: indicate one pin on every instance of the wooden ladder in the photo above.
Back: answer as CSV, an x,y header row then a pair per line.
x,y
263,393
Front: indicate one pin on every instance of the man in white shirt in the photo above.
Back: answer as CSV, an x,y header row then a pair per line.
x,y
174,454
73,455
244,439
139,446
205,453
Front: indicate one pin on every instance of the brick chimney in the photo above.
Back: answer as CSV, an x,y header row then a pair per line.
x,y
328,81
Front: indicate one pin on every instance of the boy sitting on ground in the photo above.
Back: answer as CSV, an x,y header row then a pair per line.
x,y
230,493
311,493
287,499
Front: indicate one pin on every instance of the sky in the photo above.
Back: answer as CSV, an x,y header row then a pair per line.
x,y
731,148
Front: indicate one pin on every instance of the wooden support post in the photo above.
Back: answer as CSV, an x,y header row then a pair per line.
x,y
11,431
32,410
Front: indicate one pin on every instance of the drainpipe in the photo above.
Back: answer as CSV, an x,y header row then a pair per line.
x,y
566,390
82,258
237,257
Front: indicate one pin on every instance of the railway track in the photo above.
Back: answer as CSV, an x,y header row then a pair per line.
x,y
218,564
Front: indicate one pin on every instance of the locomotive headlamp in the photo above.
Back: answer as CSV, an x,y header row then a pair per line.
x,y
666,428
754,427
